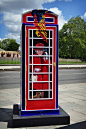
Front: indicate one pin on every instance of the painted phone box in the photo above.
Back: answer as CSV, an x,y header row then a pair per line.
x,y
39,71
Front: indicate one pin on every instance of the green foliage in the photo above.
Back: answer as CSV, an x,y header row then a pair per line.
x,y
0,44
12,46
9,45
71,62
72,39
9,62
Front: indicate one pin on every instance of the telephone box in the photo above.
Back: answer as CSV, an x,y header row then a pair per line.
x,y
39,70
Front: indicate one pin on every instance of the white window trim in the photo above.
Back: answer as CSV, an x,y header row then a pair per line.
x,y
42,65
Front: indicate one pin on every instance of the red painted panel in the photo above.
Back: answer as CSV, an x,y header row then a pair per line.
x,y
46,15
53,16
41,104
26,47
25,16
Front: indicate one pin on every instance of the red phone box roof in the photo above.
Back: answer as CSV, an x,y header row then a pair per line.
x,y
36,15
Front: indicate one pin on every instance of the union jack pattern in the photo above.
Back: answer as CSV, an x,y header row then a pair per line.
x,y
41,29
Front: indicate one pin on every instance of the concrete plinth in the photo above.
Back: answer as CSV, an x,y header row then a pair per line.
x,y
39,120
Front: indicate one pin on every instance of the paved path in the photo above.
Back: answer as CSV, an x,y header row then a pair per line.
x,y
72,98
60,67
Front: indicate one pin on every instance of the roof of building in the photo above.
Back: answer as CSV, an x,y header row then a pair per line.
x,y
2,49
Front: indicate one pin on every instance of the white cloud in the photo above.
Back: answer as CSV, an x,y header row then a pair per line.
x,y
14,36
66,0
84,16
18,5
1,39
12,10
61,19
12,22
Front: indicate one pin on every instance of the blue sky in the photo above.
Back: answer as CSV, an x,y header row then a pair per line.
x,y
11,10
69,8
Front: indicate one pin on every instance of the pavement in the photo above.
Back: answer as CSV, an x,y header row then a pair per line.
x,y
17,67
72,98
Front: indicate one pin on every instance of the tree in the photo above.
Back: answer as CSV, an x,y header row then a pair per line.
x,y
72,39
0,44
12,46
4,43
9,45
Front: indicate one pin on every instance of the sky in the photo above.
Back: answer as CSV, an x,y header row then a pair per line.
x,y
11,13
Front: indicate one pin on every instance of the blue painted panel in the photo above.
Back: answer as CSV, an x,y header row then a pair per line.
x,y
40,112
56,66
23,67
49,20
30,19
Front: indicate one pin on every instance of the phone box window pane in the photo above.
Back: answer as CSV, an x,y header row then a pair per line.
x,y
30,42
30,95
30,51
50,94
35,33
47,34
30,33
50,51
30,85
51,42
50,77
35,41
50,34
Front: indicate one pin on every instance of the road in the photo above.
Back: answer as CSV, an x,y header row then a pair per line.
x,y
11,79
72,76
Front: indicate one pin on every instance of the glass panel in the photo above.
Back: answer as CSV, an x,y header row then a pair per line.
x,y
35,41
34,34
51,42
40,94
30,33
51,77
51,69
51,51
30,77
50,94
47,33
30,42
30,59
30,51
50,34
30,94
30,83
50,60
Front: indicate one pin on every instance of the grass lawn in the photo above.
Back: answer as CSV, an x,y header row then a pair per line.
x,y
9,62
70,62
60,62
